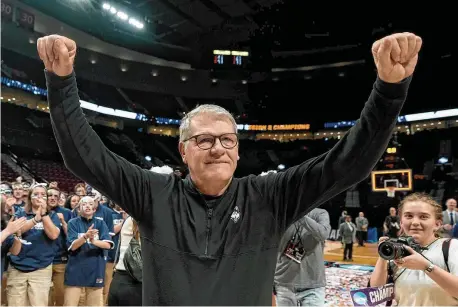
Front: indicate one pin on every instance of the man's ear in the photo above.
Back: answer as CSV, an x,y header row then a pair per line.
x,y
181,147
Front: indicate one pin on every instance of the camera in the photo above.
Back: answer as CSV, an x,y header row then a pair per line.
x,y
393,249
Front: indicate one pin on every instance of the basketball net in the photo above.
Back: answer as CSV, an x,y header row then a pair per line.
x,y
390,191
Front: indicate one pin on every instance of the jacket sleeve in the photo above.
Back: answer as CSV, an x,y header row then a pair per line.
x,y
293,193
319,228
86,156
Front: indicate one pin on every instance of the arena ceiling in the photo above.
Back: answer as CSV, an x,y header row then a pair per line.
x,y
279,34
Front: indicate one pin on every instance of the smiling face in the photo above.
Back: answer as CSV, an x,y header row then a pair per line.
x,y
451,204
419,219
216,164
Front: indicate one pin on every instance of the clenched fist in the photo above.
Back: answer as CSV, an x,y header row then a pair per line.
x,y
57,53
396,56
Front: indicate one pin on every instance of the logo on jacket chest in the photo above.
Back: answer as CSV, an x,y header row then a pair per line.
x,y
235,216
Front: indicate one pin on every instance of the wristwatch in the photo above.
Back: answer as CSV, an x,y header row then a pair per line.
x,y
430,267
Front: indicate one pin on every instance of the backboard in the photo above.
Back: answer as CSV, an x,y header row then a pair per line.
x,y
399,179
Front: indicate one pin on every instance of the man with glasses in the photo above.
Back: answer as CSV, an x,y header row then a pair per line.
x,y
211,239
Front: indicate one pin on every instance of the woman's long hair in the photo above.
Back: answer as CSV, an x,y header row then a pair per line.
x,y
135,230
69,200
28,201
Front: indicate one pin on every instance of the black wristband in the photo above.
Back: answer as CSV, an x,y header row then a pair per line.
x,y
45,214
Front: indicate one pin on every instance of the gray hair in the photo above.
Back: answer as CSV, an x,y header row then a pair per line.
x,y
185,126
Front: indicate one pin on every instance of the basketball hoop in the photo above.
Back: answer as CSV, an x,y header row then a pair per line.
x,y
390,191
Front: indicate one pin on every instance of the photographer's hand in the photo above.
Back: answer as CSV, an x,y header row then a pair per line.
x,y
413,262
380,273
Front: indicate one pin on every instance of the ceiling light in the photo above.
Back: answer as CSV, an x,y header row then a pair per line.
x,y
183,78
113,10
106,6
122,15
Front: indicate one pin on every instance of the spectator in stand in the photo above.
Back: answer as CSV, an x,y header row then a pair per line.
x,y
30,273
11,232
362,224
118,219
26,186
392,224
80,189
87,240
62,199
72,202
56,295
18,193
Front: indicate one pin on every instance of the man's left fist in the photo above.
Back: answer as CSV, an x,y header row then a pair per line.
x,y
396,56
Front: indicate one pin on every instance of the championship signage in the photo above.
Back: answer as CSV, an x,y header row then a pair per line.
x,y
372,296
274,127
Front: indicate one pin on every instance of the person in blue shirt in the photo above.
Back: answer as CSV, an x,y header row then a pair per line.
x,y
56,295
87,239
29,275
18,192
118,219
10,234
455,231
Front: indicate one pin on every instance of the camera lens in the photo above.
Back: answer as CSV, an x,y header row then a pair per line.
x,y
386,251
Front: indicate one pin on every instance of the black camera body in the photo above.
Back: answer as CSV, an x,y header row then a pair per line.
x,y
393,249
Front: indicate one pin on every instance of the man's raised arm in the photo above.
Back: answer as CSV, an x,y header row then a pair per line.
x,y
83,152
301,188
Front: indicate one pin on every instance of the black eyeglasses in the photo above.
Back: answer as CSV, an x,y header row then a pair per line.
x,y
207,141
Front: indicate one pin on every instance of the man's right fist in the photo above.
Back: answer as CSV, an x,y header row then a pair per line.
x,y
57,53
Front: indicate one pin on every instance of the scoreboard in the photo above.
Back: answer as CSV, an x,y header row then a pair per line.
x,y
230,59
23,18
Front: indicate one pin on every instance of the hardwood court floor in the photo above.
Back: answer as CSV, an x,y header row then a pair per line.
x,y
365,255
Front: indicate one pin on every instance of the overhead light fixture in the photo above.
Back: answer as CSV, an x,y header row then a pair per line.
x,y
244,81
214,80
122,15
93,61
184,78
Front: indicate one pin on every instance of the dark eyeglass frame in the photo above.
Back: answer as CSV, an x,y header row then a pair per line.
x,y
214,140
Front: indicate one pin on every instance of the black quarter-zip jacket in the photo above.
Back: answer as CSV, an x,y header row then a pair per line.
x,y
199,250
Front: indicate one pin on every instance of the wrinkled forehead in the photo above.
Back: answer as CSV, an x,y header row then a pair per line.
x,y
211,123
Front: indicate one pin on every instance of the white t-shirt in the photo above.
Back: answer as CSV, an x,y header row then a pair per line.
x,y
126,234
415,288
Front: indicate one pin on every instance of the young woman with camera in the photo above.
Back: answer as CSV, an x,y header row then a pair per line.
x,y
421,279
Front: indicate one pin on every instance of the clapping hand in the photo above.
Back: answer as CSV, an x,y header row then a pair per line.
x,y
15,225
91,233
